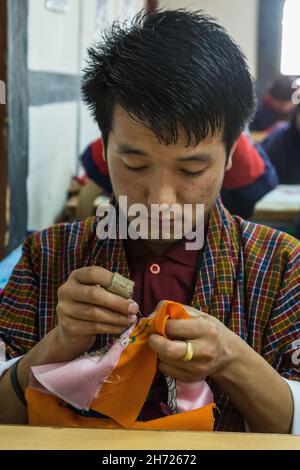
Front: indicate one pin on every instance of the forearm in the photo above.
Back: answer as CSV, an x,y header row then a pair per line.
x,y
12,411
79,321
257,390
49,349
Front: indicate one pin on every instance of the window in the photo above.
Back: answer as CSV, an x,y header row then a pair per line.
x,y
290,56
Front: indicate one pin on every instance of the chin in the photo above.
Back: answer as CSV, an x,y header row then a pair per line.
x,y
164,241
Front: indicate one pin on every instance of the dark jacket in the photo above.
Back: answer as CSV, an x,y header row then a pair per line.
x,y
283,148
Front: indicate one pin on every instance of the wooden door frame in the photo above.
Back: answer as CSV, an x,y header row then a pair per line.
x,y
269,43
3,130
17,110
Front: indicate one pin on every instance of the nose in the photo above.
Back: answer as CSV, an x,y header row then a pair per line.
x,y
162,190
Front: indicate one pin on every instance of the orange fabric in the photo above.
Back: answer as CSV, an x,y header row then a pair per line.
x,y
48,410
123,395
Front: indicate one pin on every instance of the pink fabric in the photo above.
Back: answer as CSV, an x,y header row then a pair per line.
x,y
78,382
190,396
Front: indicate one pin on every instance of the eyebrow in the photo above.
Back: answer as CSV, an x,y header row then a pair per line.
x,y
199,157
126,149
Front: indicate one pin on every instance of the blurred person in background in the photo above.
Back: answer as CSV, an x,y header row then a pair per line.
x,y
276,105
283,148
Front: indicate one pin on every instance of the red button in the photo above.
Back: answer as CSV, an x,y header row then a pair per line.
x,y
155,268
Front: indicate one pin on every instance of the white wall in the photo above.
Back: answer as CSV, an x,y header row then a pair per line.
x,y
111,10
239,17
57,43
52,162
53,46
53,38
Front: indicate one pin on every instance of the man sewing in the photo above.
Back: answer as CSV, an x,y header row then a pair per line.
x,y
171,95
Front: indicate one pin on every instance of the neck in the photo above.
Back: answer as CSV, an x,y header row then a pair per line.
x,y
158,247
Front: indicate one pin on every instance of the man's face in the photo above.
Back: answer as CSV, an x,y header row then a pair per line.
x,y
284,107
149,172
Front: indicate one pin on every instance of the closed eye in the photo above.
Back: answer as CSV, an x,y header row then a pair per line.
x,y
192,173
135,168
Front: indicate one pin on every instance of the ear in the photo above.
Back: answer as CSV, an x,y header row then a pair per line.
x,y
229,161
103,154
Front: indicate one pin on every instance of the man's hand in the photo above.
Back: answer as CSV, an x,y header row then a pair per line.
x,y
211,341
240,372
85,308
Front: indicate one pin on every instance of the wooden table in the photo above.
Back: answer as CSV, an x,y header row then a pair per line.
x,y
51,438
280,208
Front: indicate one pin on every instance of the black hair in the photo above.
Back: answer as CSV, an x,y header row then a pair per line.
x,y
282,88
171,70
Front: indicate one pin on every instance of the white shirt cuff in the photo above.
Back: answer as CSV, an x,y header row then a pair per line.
x,y
295,390
8,364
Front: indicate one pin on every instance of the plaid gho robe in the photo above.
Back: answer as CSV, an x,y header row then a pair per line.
x,y
249,279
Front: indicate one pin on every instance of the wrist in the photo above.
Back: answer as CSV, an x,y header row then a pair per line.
x,y
55,347
15,383
234,353
48,350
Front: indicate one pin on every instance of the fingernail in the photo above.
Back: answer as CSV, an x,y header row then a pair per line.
x,y
133,308
132,318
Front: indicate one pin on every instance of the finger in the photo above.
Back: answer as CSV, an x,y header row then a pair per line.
x,y
203,356
86,328
175,373
97,276
190,310
193,312
173,350
89,312
186,329
179,364
199,366
97,295
93,275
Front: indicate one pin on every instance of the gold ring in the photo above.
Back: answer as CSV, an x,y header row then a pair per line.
x,y
120,285
189,352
